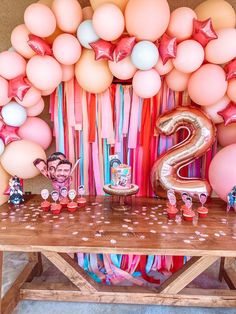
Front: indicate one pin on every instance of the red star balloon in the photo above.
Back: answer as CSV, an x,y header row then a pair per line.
x,y
18,87
167,48
230,70
203,31
124,48
40,46
103,50
229,113
8,133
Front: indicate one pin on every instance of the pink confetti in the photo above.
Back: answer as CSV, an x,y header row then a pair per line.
x,y
113,241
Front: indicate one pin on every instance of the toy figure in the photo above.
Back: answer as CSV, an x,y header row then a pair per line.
x,y
45,205
72,206
202,211
16,191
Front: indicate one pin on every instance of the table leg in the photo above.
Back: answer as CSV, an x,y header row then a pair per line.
x,y
1,277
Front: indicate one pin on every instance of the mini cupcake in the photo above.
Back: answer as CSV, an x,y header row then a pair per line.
x,y
72,206
81,201
45,205
64,202
56,209
188,215
202,212
171,212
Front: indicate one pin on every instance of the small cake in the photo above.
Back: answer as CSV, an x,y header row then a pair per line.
x,y
171,212
188,215
81,201
45,205
202,212
72,206
64,201
121,177
56,208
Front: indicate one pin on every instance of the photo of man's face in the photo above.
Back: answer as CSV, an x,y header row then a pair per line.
x,y
55,195
41,165
45,194
172,199
72,194
62,172
203,198
64,192
52,165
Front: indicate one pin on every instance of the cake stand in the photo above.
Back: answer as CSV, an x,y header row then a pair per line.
x,y
121,205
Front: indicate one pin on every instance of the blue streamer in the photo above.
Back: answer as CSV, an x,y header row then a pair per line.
x,y
82,158
150,260
106,162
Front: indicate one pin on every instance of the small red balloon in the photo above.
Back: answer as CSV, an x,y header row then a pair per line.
x,y
124,48
8,133
203,31
167,48
18,87
230,70
103,50
40,46
228,114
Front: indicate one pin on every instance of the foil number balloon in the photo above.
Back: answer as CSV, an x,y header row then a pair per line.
x,y
165,172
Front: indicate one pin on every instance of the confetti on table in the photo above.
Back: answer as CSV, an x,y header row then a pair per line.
x,y
187,241
202,239
142,237
153,231
113,241
75,233
163,234
85,239
217,234
125,226
124,234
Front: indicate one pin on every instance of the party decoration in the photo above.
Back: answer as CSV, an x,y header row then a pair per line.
x,y
167,48
124,48
177,81
229,113
146,84
213,110
5,177
222,49
19,40
226,135
181,23
31,98
87,13
144,55
86,34
4,98
68,14
147,19
171,207
120,3
18,87
202,210
55,207
165,171
123,70
163,69
66,49
231,200
39,46
230,70
44,72
189,56
40,20
68,72
231,90
47,92
8,133
203,31
35,110
64,200
188,213
103,50
14,114
2,146
16,191
11,64
45,205
108,21
207,85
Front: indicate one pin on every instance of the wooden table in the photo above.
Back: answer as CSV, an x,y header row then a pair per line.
x,y
143,230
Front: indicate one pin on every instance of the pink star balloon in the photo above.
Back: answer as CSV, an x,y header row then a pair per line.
x,y
124,48
40,46
230,70
8,133
229,113
167,48
103,50
18,87
203,31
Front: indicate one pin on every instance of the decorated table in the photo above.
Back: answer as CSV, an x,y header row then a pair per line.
x,y
96,228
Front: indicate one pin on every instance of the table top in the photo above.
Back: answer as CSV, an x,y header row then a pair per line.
x,y
98,229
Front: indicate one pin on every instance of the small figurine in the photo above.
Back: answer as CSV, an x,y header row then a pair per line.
x,y
45,205
72,206
81,201
64,200
55,207
231,198
202,210
16,191
188,213
171,209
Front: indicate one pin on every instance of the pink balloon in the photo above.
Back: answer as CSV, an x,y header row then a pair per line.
x,y
123,70
31,98
226,135
66,49
213,110
40,20
231,90
11,64
189,56
181,23
4,99
47,92
35,110
164,69
19,38
37,131
222,171
87,13
68,72
177,81
207,85
108,21
147,19
44,72
146,84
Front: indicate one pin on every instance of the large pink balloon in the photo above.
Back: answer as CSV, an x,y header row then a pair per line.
x,y
147,19
177,81
66,49
44,72
31,98
11,64
207,85
48,92
40,20
123,70
35,110
189,56
181,23
146,84
19,41
36,130
213,110
19,156
222,171
68,72
226,134
108,21
4,99
231,90
222,49
163,69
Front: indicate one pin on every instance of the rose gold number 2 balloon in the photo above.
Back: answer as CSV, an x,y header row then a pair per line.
x,y
165,172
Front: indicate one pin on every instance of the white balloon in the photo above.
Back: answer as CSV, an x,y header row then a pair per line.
x,y
14,114
145,55
86,34
2,146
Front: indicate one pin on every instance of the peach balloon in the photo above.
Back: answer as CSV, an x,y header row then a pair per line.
x,y
226,135
177,81
108,22
66,49
48,3
207,85
231,90
19,156
87,13
93,76
19,41
123,70
222,49
221,13
146,84
5,177
36,110
213,110
189,56
181,23
36,130
4,99
68,14
68,72
47,92
147,19
31,98
120,3
163,69
40,20
44,72
11,64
